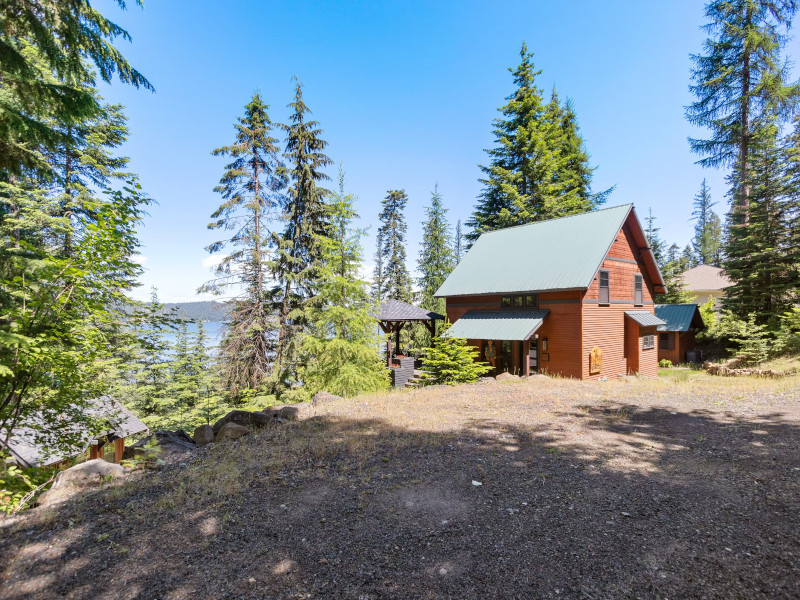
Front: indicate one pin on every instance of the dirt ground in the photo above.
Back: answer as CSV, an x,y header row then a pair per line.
x,y
528,489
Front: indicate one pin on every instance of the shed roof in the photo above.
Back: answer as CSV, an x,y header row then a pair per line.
x,y
38,442
498,325
679,317
396,310
559,254
644,318
705,278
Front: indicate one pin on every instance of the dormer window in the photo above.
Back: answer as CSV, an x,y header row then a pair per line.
x,y
519,302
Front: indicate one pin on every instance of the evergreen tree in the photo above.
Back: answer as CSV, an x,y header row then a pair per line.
x,y
538,167
50,50
451,361
395,282
436,258
458,248
342,348
672,265
251,188
298,264
707,240
760,259
378,277
739,80
653,239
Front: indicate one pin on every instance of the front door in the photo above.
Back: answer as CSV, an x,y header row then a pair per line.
x,y
533,355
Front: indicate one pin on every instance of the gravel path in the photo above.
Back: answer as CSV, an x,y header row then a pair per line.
x,y
530,489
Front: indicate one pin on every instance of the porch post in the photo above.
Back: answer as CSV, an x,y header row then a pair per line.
x,y
398,327
119,449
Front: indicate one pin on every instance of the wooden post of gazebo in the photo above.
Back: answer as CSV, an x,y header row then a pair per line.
x,y
394,314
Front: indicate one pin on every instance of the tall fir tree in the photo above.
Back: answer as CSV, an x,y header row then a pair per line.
x,y
341,350
458,245
653,238
538,167
760,260
300,256
395,282
252,189
436,257
707,240
739,80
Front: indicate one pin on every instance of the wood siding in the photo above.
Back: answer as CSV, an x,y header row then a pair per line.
x,y
682,342
621,271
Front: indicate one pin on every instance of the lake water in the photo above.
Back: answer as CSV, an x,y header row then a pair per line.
x,y
213,333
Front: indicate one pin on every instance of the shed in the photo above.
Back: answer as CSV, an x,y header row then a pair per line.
x,y
676,337
38,442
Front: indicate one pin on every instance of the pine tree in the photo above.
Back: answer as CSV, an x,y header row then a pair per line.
x,y
342,348
707,240
451,361
252,189
759,260
50,50
738,81
654,241
300,257
458,248
378,277
538,166
396,282
436,259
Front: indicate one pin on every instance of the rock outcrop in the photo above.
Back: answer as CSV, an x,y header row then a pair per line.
x,y
203,435
76,479
231,431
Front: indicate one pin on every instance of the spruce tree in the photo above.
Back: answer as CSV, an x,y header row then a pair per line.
x,y
341,350
738,80
436,258
707,240
395,282
50,50
760,260
538,167
654,240
252,189
299,259
458,248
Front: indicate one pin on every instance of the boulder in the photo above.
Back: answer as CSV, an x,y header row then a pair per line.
x,y
245,418
323,398
76,479
506,377
294,412
203,435
169,442
231,431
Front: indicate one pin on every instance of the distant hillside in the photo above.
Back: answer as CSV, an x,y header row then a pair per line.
x,y
205,311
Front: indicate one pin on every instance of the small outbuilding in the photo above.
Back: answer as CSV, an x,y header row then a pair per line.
x,y
38,442
676,337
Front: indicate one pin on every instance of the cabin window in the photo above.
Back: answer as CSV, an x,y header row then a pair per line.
x,y
648,342
505,302
604,292
531,301
637,290
666,341
517,301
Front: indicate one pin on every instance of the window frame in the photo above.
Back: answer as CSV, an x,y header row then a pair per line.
x,y
649,341
601,287
669,341
638,290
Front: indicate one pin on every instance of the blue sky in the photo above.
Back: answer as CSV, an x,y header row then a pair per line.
x,y
405,93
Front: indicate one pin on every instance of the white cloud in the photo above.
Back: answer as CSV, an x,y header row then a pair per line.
x,y
212,260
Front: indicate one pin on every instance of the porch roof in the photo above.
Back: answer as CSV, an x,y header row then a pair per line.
x,y
679,317
498,325
644,318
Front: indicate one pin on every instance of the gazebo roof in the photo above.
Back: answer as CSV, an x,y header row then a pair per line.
x,y
395,310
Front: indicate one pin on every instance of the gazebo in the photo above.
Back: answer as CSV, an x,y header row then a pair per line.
x,y
394,314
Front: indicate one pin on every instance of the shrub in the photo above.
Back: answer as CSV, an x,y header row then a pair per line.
x,y
451,361
752,343
665,363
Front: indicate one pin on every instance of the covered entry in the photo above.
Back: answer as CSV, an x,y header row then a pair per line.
x,y
507,340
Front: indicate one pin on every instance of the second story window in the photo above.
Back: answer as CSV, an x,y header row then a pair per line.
x,y
517,302
637,290
604,294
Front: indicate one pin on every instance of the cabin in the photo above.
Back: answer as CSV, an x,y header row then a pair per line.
x,y
705,282
104,424
571,296
676,336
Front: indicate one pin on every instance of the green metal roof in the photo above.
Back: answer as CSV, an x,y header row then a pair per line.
x,y
559,254
644,318
678,317
498,325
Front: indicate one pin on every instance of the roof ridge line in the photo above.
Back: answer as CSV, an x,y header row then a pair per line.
x,y
583,214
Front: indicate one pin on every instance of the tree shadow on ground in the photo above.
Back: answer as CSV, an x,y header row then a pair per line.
x,y
603,501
